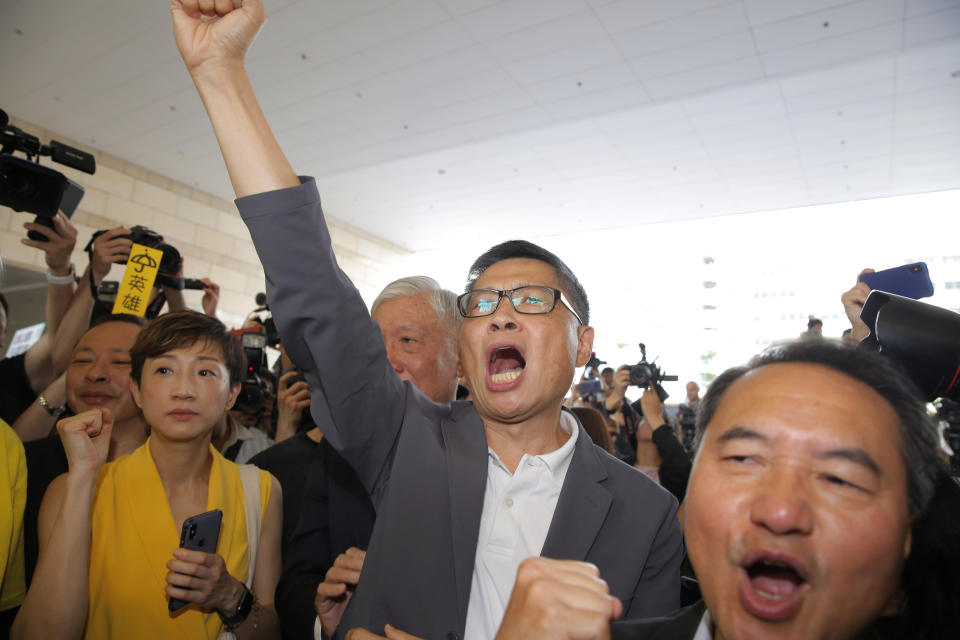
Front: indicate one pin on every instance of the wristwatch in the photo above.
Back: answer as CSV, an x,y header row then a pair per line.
x,y
70,278
240,614
49,408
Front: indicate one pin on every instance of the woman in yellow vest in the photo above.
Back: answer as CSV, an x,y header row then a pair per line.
x,y
109,533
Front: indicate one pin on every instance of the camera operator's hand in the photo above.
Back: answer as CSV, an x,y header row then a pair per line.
x,y
621,380
59,244
175,298
215,32
211,297
108,248
652,408
853,304
292,399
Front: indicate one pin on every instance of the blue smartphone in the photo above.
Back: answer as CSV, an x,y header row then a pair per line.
x,y
909,281
199,533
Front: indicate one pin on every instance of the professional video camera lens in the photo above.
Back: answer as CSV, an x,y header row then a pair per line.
x,y
25,186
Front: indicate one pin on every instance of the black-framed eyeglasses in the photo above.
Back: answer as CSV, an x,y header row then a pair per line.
x,y
532,299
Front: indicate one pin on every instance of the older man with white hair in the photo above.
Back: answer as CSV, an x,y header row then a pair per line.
x,y
419,322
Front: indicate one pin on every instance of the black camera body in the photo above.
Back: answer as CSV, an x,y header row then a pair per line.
x,y
948,411
269,326
170,260
251,399
30,187
644,373
593,365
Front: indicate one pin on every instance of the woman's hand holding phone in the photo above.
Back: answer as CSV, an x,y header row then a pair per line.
x,y
202,578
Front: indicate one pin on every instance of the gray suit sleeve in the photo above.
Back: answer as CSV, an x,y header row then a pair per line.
x,y
658,591
325,327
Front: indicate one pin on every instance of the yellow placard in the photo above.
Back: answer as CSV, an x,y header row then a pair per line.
x,y
133,296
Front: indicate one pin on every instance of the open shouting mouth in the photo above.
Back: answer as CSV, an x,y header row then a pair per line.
x,y
772,584
505,364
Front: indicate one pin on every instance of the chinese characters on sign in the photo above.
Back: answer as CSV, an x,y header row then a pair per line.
x,y
133,296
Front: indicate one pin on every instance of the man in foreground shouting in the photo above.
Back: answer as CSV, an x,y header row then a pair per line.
x,y
809,506
464,492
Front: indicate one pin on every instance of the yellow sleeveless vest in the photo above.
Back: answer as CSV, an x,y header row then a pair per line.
x,y
134,535
13,497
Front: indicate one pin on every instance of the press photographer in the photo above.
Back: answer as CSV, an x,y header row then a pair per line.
x,y
169,285
28,374
657,452
240,434
591,389
30,187
687,416
924,341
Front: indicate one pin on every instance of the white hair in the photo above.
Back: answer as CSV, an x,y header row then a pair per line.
x,y
443,301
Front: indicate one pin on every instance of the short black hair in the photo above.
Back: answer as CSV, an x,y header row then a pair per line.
x,y
918,432
180,329
118,317
522,249
3,303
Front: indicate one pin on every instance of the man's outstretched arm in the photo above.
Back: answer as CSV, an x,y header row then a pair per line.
x,y
323,321
213,38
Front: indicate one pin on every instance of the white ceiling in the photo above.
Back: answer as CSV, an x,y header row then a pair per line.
x,y
428,119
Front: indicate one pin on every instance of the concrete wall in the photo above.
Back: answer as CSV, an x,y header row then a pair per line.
x,y
206,230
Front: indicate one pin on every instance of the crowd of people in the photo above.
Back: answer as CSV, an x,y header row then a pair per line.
x,y
424,469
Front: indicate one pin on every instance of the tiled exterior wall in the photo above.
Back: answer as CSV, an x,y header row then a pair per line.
x,y
206,230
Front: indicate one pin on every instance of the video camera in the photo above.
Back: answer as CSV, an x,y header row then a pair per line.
x,y
591,384
644,373
949,412
26,185
269,326
252,399
255,341
925,340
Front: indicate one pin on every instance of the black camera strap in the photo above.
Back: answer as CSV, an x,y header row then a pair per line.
x,y
89,251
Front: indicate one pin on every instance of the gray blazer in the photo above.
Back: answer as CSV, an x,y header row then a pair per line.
x,y
680,625
425,464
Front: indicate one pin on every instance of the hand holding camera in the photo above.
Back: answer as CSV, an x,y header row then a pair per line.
x,y
58,242
652,408
112,246
293,396
211,297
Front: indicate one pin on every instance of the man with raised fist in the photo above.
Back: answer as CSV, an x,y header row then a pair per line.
x,y
464,491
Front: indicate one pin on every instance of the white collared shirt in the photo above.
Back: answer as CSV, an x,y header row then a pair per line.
x,y
254,440
517,512
703,630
